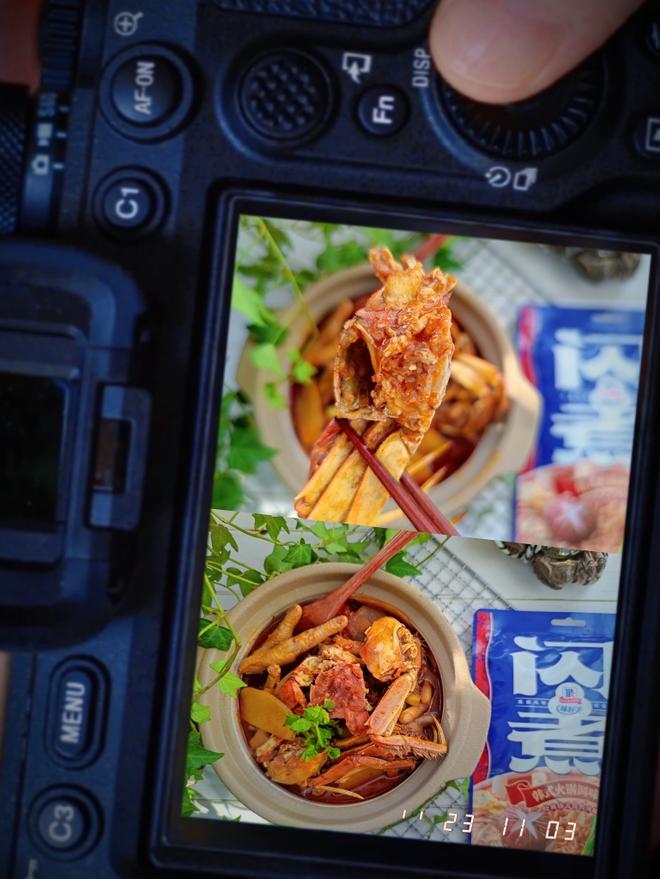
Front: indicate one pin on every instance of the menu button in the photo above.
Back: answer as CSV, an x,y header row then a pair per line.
x,y
76,712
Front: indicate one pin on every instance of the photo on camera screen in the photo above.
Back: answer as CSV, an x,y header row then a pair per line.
x,y
355,672
500,377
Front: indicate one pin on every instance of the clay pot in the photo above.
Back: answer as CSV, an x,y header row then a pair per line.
x,y
465,713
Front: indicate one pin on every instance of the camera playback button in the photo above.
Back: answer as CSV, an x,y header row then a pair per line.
x,y
647,136
382,110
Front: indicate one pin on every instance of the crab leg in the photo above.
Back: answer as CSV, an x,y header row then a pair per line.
x,y
385,715
355,761
414,746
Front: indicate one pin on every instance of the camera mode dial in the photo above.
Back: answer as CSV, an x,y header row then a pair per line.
x,y
536,127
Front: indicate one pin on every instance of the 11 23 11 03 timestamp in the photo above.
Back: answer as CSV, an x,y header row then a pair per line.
x,y
513,826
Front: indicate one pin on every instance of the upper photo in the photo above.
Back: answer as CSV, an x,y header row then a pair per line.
x,y
465,386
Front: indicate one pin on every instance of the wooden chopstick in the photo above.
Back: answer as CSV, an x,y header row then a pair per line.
x,y
328,606
408,495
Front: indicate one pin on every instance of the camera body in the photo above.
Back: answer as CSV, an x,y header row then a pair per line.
x,y
178,117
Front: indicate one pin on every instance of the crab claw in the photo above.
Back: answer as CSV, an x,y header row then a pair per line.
x,y
386,713
390,649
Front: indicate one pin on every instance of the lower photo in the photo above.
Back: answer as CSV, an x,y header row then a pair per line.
x,y
398,683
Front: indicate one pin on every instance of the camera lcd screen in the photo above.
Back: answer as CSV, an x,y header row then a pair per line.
x,y
30,448
461,693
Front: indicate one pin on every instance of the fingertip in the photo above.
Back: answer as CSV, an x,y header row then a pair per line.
x,y
501,51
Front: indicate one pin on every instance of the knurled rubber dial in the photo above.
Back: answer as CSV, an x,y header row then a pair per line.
x,y
536,127
285,95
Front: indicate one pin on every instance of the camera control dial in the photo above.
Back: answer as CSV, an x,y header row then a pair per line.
x,y
536,127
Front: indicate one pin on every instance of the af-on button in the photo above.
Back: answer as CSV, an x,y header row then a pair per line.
x,y
146,89
147,92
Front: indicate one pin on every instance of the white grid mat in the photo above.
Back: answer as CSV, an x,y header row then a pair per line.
x,y
459,592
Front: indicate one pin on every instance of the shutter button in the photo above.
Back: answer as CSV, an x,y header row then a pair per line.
x,y
146,90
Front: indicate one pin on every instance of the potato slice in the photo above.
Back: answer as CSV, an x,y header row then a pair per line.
x,y
308,414
265,711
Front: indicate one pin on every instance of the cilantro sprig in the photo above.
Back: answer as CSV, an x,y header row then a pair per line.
x,y
317,730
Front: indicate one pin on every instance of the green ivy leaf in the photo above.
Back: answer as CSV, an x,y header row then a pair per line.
x,y
246,450
299,555
302,370
275,563
341,256
213,636
445,260
227,492
247,300
197,755
200,713
461,784
272,525
188,806
269,333
273,395
230,684
264,356
221,537
239,576
399,566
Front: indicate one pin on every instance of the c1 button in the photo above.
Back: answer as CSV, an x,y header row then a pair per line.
x,y
146,90
382,110
130,203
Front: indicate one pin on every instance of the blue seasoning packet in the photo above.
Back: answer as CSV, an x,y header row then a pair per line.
x,y
585,363
547,676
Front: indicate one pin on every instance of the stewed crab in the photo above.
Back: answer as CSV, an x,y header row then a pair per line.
x,y
391,371
346,710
